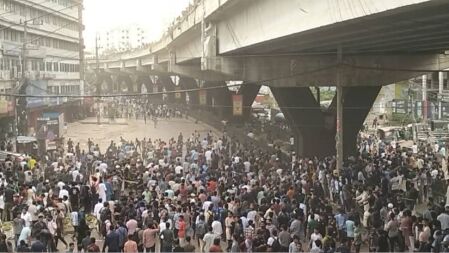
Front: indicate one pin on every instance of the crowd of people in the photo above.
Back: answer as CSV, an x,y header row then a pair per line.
x,y
213,193
135,108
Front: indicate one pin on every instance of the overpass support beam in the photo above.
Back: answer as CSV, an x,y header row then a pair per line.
x,y
187,83
314,135
357,102
321,70
168,84
249,93
314,129
219,99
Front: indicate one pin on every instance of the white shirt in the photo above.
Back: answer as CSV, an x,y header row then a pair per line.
x,y
74,216
208,155
415,149
97,210
102,191
315,237
206,205
63,193
178,169
217,228
247,165
2,202
60,185
251,215
24,234
75,173
27,218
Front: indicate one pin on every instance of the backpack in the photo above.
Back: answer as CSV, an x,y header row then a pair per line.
x,y
276,246
200,228
105,214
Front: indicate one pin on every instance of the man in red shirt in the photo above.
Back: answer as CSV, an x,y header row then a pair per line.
x,y
182,231
216,246
130,245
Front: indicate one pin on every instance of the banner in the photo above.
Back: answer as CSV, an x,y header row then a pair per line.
x,y
237,105
178,94
3,106
203,97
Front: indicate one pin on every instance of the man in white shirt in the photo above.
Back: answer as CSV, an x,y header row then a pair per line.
x,y
178,169
217,229
208,156
25,235
26,216
443,218
97,208
63,192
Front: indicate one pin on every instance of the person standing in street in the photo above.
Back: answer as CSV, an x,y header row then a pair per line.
x,y
167,239
112,241
130,245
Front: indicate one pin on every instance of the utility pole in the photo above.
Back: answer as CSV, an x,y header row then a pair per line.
x,y
97,60
24,50
81,44
440,94
339,130
412,104
21,86
424,98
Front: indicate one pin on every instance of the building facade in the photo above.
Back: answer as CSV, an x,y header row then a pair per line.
x,y
121,39
47,34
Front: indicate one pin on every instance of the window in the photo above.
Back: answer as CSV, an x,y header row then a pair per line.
x,y
23,10
56,66
33,65
14,36
41,65
49,66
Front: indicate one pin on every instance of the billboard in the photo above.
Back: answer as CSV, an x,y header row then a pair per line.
x,y
50,128
203,97
237,105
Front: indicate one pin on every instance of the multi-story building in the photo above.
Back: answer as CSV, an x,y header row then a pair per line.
x,y
121,39
47,33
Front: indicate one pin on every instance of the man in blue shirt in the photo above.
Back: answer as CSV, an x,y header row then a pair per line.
x,y
112,241
38,246
340,219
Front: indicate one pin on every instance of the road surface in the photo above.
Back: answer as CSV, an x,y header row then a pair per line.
x,y
131,129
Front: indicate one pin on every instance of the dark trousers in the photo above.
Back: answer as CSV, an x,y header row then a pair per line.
x,y
151,249
58,237
393,242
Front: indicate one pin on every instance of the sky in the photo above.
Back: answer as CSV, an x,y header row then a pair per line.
x,y
153,15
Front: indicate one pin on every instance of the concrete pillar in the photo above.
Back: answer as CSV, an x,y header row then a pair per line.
x,y
249,93
440,93
187,83
424,97
313,135
168,84
315,129
357,102
219,99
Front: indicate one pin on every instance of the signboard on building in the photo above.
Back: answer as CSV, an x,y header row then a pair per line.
x,y
237,105
38,87
203,97
50,128
178,94
3,106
